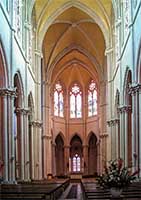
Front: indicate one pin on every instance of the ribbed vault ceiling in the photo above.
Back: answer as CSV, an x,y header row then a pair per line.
x,y
74,39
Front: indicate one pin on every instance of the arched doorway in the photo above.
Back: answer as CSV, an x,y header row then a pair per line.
x,y
17,127
76,154
92,155
59,155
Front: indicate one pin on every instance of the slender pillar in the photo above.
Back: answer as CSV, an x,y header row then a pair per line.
x,y
66,161
32,160
140,130
5,137
85,153
126,137
117,137
26,143
53,159
133,131
39,140
22,145
11,98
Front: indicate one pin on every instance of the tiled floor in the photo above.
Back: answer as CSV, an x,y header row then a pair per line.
x,y
79,192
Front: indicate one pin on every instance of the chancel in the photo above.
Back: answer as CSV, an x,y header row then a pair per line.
x,y
70,96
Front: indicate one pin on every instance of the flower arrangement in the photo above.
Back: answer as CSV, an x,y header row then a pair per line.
x,y
116,175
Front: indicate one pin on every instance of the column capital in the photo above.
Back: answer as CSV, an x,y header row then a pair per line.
x,y
103,136
8,92
47,137
134,88
124,108
36,123
113,122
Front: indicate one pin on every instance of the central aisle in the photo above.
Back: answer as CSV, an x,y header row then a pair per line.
x,y
73,192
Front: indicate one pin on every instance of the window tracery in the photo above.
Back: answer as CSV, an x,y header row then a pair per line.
x,y
58,100
92,99
75,102
76,163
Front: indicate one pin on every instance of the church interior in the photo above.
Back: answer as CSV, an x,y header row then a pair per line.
x,y
70,95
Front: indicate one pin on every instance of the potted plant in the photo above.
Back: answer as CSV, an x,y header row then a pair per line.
x,y
116,177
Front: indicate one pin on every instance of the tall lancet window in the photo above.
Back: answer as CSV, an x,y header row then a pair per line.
x,y
58,100
92,99
75,102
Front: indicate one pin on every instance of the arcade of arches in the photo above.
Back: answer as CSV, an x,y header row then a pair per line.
x,y
70,87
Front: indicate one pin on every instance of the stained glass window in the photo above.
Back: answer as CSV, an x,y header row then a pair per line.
x,y
92,99
76,163
75,102
58,100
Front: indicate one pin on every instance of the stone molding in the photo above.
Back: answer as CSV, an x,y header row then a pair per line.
x,y
103,136
125,108
8,92
38,124
24,111
134,88
47,137
113,122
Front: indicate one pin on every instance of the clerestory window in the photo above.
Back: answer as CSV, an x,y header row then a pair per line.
x,y
92,99
75,102
58,100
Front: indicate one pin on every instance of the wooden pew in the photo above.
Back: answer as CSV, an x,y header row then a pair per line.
x,y
48,191
91,191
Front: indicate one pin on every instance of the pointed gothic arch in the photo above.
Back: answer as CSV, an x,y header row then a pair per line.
x,y
92,154
76,154
59,155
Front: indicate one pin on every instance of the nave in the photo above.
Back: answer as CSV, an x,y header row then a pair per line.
x,y
65,189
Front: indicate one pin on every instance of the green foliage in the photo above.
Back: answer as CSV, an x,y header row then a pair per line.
x,y
116,175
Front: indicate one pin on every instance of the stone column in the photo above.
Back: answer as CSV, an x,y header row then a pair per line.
x,y
20,112
140,129
122,132
98,157
126,137
40,149
132,91
85,155
53,159
32,161
11,97
66,161
103,150
3,95
116,137
22,144
26,143
47,140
